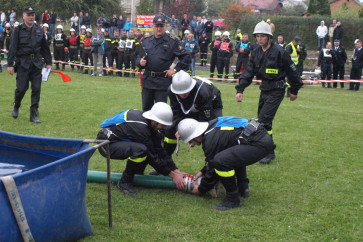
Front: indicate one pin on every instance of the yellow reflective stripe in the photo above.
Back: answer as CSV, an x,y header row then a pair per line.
x,y
272,71
225,173
170,141
227,128
138,160
269,132
288,84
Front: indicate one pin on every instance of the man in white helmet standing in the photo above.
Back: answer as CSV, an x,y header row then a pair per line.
x,y
59,43
134,136
214,47
229,144
225,52
271,64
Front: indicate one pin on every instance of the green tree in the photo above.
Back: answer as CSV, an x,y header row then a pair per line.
x,y
297,10
319,7
146,7
360,12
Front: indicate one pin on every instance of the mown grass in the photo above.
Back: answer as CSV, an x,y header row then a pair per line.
x,y
311,192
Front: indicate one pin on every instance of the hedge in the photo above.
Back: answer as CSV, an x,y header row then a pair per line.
x,y
305,27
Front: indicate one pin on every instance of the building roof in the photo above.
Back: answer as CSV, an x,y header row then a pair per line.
x,y
261,4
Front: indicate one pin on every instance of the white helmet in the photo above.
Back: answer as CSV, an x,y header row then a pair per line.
x,y
45,25
60,27
317,72
182,83
16,24
7,25
186,32
102,30
35,21
217,33
72,30
83,27
161,113
189,129
89,30
262,28
226,33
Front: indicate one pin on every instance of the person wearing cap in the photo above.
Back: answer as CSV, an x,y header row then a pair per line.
x,y
325,61
87,59
209,26
160,50
321,32
204,42
270,64
225,52
229,144
339,60
214,47
357,65
293,48
135,136
272,26
191,98
97,51
73,46
59,44
243,48
27,56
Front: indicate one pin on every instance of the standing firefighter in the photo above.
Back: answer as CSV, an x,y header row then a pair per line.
x,y
81,37
214,47
87,55
243,48
130,51
293,48
134,136
229,144
73,45
225,52
204,42
59,44
271,64
28,62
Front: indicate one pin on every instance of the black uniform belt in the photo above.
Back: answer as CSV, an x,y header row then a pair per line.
x,y
155,74
87,47
59,45
73,46
31,56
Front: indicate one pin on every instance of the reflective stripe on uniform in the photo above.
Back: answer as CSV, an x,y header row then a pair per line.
x,y
170,141
272,71
227,128
138,160
269,132
225,173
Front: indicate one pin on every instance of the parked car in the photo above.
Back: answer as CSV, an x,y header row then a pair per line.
x,y
219,24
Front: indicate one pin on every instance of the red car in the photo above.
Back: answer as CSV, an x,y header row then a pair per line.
x,y
219,24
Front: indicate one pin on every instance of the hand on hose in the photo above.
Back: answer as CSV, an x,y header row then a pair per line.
x,y
195,189
199,174
178,179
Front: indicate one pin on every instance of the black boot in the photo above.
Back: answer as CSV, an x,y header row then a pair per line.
x,y
125,184
232,200
104,72
85,71
243,189
34,116
288,92
15,112
270,157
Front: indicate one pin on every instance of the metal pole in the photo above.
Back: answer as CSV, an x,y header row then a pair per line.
x,y
109,186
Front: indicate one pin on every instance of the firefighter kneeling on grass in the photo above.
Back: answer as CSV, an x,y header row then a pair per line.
x,y
135,136
229,144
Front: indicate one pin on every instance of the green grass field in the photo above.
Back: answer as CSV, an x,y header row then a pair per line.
x,y
313,191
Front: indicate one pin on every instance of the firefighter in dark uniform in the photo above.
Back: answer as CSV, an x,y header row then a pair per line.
x,y
160,52
339,60
229,144
271,64
134,136
357,65
59,43
115,41
224,53
73,45
130,54
243,48
107,54
293,48
87,55
204,42
28,61
214,47
7,33
81,37
325,61
191,98
47,35
121,51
